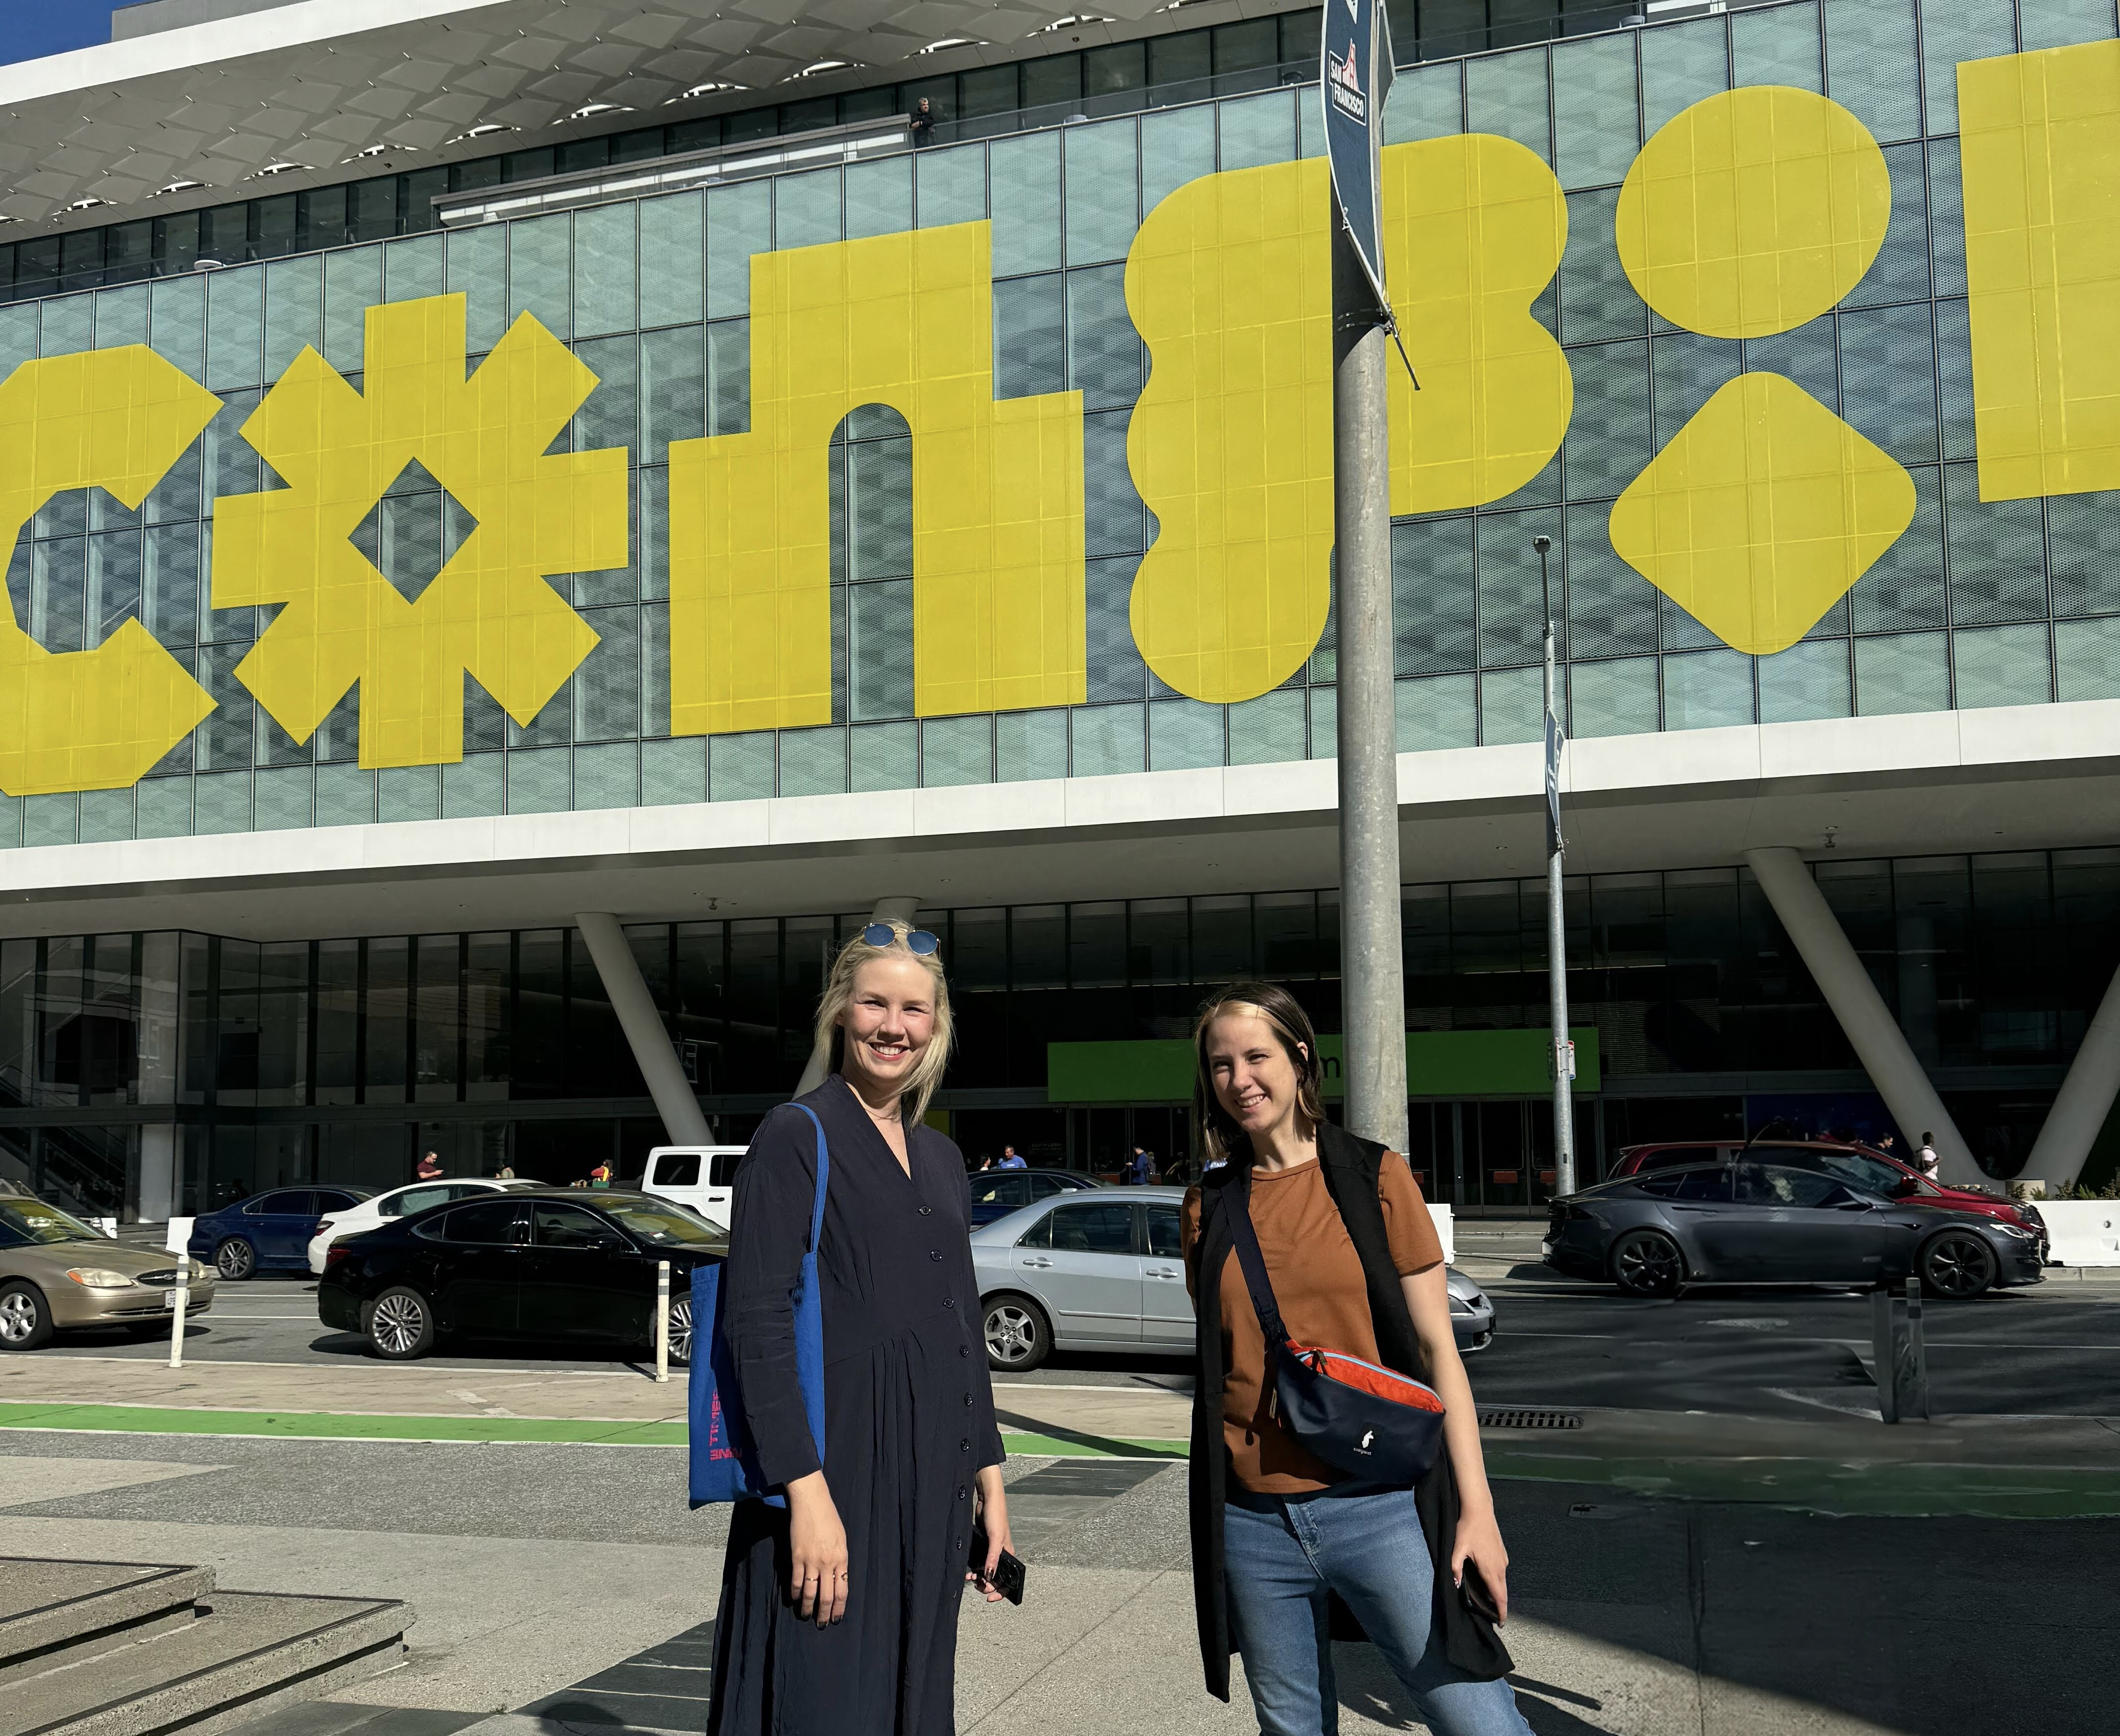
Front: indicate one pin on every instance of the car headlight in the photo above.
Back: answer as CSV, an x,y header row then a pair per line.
x,y
98,1277
2016,1229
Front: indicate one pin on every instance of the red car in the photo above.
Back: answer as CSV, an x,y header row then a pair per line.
x,y
1863,1165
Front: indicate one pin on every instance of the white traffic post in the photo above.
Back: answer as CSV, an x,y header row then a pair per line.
x,y
662,1322
183,1297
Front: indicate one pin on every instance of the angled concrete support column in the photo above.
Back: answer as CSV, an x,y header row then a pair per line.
x,y
1878,1042
2085,1099
895,909
682,1118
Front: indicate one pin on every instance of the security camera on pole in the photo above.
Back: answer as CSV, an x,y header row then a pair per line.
x,y
1355,78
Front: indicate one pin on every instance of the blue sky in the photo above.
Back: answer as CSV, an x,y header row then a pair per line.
x,y
30,29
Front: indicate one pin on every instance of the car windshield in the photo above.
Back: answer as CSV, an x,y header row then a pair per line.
x,y
23,1221
662,1225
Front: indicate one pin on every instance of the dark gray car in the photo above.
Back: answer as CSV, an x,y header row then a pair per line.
x,y
1765,1223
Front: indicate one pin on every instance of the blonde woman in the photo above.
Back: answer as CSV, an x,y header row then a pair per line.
x,y
838,1612
1288,1553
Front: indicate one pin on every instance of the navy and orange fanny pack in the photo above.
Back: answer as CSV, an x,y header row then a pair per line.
x,y
1371,1422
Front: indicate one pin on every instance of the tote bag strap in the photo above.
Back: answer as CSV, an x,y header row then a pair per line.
x,y
1253,1261
823,1174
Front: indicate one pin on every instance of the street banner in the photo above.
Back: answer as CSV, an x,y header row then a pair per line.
x,y
1354,80
1553,741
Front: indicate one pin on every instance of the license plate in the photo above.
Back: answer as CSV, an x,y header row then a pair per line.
x,y
169,1299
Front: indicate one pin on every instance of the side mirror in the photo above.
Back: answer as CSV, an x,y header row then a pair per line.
x,y
1856,1205
1907,1184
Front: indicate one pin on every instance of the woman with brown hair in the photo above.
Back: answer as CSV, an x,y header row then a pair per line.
x,y
1289,1553
838,1612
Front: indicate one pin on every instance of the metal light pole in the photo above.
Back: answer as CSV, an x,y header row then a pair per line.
x,y
1563,1052
1372,971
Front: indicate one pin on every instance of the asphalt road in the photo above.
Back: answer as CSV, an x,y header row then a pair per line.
x,y
2053,1351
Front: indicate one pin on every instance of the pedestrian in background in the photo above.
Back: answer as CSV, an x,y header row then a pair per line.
x,y
1287,1551
838,1612
431,1168
1010,1160
923,124
1925,1159
1141,1170
600,1176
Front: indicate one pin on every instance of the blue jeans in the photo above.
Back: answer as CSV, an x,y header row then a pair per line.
x,y
1283,1556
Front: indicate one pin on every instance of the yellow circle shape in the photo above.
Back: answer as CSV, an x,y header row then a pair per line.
x,y
1753,212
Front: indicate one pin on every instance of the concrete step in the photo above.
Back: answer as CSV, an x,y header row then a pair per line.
x,y
48,1610
244,1654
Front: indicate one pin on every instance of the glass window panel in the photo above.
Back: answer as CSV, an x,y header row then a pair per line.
x,y
878,197
885,756
728,376
1425,102
1116,670
1030,336
673,391
1113,66
1905,587
1681,64
879,532
235,328
1902,671
1324,722
1029,745
169,584
1688,369
607,687
955,750
813,762
294,311
1506,93
538,781
1954,356
1888,367
1268,730
1107,739
437,1014
1434,607
1609,442
1103,167
1512,705
385,1019
673,260
610,415
1810,355
806,209
606,286
176,319
68,327
951,185
1610,607
1596,301
353,283
1184,734
1870,65
1436,711
673,771
1806,680
2082,553
1115,509
1900,270
415,269
477,270
740,767
1594,110
1257,130
1953,30
1181,58
2087,660
1512,599
1777,45
408,793
1177,146
1617,697
488,976
608,776
1705,689
1026,185
538,279
2061,24
1997,551
114,583
2001,666
473,787
879,673
1104,353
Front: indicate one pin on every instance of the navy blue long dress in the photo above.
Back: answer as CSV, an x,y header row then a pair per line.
x,y
908,1420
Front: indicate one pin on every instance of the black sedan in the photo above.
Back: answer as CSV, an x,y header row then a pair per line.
x,y
1767,1223
997,1193
558,1264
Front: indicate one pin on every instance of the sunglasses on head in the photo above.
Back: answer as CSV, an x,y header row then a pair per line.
x,y
916,940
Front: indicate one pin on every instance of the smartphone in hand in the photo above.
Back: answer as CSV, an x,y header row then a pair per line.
x,y
1008,1571
1478,1596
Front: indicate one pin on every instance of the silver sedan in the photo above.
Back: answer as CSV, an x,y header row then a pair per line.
x,y
1104,1272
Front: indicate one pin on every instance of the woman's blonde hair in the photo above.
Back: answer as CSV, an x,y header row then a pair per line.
x,y
926,1075
1222,1140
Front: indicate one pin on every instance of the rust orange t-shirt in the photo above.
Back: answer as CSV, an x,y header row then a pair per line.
x,y
1317,1279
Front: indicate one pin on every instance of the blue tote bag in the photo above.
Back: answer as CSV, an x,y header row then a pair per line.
x,y
724,1461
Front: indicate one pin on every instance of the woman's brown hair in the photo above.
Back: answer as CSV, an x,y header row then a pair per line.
x,y
1220,1139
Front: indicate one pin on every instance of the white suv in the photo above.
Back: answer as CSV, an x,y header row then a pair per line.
x,y
398,1203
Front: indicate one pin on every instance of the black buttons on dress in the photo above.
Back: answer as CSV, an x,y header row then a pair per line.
x,y
933,1255
963,1446
926,1210
960,1494
964,1350
948,1303
968,1400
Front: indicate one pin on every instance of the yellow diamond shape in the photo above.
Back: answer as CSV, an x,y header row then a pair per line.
x,y
1761,512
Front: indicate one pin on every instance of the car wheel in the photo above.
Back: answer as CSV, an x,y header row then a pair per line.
x,y
235,1260
1019,1337
25,1323
400,1324
1958,1265
1647,1263
680,1332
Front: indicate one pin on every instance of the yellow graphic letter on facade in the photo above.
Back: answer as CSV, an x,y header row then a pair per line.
x,y
489,610
1753,212
1228,283
2040,155
117,420
904,321
1761,512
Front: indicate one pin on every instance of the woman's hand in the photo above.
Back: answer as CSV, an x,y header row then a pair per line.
x,y
993,1514
1479,1543
816,1551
